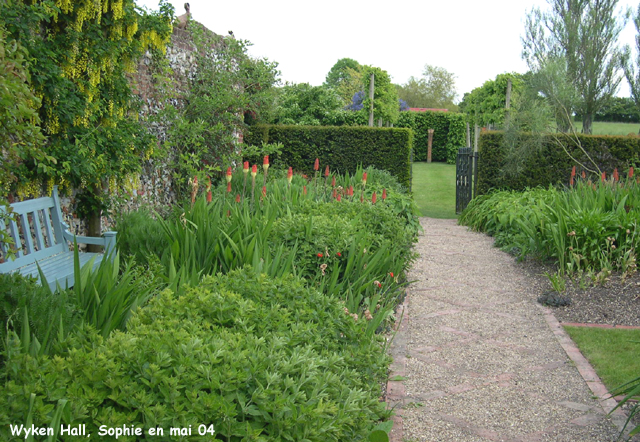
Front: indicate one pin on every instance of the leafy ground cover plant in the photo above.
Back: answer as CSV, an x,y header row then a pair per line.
x,y
258,358
589,229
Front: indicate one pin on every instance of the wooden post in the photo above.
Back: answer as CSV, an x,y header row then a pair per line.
x,y
429,146
371,86
468,135
475,138
507,104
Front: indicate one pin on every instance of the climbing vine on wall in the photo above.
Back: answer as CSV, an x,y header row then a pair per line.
x,y
227,86
80,55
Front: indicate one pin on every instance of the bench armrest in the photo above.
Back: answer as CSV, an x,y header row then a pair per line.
x,y
108,239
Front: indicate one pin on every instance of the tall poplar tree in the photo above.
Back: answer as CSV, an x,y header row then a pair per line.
x,y
583,35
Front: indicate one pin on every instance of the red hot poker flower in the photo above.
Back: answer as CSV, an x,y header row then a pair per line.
x,y
316,165
339,197
290,175
384,194
304,190
264,190
326,171
364,178
334,193
245,167
229,187
265,163
333,181
320,255
254,170
616,177
237,198
374,198
604,176
229,174
209,196
573,171
584,175
631,172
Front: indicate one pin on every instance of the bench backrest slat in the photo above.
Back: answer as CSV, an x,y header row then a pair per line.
x,y
26,233
15,235
47,228
37,227
56,216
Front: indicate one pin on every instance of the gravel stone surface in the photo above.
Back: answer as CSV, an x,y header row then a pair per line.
x,y
478,359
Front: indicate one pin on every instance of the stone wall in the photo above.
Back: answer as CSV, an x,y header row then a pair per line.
x,y
154,187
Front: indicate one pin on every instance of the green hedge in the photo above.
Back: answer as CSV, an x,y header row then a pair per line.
x,y
550,164
342,148
448,135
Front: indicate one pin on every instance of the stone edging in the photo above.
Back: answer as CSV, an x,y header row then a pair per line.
x,y
587,372
395,392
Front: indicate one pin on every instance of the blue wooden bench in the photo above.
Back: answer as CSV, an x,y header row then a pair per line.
x,y
41,238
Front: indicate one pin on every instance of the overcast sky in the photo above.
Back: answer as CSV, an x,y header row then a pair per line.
x,y
474,40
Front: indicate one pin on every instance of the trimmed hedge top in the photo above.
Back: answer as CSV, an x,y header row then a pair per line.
x,y
342,148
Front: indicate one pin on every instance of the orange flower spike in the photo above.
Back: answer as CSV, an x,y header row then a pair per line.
x,y
584,175
265,163
304,190
290,175
616,177
334,193
364,178
573,171
326,172
316,165
350,190
237,198
603,177
254,170
571,181
264,190
374,198
245,167
631,172
229,187
209,196
333,181
229,174
339,197
384,194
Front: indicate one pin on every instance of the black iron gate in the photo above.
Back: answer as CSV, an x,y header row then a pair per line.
x,y
466,177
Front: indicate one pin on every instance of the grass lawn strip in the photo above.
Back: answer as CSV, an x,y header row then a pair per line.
x,y
613,353
434,189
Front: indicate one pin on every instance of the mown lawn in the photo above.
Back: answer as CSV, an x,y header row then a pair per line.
x,y
602,128
434,189
613,353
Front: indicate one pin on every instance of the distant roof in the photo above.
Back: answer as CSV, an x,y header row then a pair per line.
x,y
425,109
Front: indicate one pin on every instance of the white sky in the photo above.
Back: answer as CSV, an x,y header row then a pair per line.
x,y
475,40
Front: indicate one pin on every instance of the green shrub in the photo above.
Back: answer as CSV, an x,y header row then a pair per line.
x,y
48,315
342,148
448,136
140,235
549,164
588,229
258,358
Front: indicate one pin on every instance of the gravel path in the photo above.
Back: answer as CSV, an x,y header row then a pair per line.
x,y
476,359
